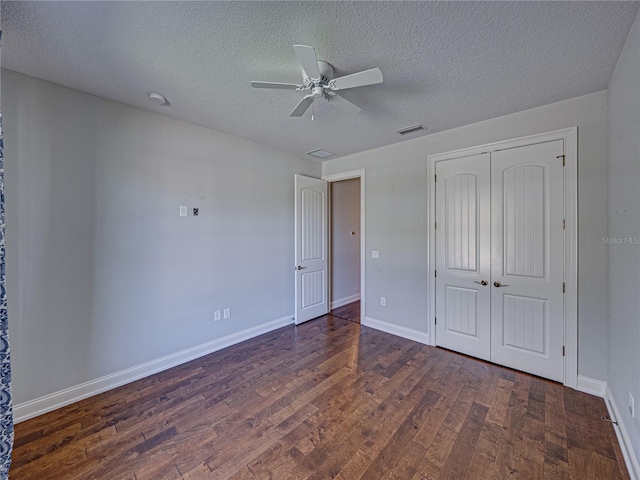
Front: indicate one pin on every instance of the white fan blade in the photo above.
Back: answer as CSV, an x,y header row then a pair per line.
x,y
343,105
360,79
291,86
308,59
302,106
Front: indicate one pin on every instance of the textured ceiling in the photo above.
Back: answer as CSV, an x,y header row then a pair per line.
x,y
445,64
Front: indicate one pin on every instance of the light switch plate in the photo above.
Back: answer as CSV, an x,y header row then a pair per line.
x,y
183,210
375,254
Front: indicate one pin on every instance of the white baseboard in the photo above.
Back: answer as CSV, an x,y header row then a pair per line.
x,y
591,386
630,458
33,408
404,332
345,301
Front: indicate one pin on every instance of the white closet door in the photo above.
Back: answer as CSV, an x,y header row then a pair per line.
x,y
463,255
527,244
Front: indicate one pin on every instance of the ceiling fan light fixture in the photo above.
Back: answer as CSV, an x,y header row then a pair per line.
x,y
411,129
319,153
317,76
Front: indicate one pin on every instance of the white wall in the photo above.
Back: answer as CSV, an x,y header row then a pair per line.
x,y
345,248
396,193
624,222
102,273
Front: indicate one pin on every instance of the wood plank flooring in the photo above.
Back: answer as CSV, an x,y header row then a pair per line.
x,y
327,399
349,312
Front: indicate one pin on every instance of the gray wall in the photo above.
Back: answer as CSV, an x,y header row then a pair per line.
x,y
345,248
103,274
396,193
624,222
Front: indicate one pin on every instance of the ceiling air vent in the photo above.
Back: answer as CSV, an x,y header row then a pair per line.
x,y
411,129
320,153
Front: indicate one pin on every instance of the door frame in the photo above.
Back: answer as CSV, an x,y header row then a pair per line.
x,y
570,138
337,177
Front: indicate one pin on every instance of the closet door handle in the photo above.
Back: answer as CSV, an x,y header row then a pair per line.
x,y
483,282
498,284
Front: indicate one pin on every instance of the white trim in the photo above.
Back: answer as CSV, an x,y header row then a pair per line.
x,y
591,386
336,177
630,459
345,301
393,329
33,408
570,139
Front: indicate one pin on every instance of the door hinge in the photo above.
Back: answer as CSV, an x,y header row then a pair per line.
x,y
436,319
564,224
563,159
435,178
563,350
435,225
435,273
564,287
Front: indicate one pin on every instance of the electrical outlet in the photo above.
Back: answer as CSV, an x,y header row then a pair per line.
x,y
632,408
383,301
216,315
227,313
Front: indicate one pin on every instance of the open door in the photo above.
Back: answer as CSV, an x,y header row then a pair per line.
x,y
311,248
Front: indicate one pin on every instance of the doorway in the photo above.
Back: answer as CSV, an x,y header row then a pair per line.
x,y
312,246
347,295
345,249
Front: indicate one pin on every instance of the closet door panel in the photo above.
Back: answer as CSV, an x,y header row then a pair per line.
x,y
462,255
527,244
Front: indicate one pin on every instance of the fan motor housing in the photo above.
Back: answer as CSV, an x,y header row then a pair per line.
x,y
326,72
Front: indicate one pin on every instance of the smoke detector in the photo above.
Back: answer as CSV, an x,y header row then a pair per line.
x,y
158,98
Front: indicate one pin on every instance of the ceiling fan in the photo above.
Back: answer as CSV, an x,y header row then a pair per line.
x,y
317,76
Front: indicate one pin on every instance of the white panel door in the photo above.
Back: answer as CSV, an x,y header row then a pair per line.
x,y
311,248
527,273
463,291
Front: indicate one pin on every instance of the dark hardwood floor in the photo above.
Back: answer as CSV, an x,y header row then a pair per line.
x,y
327,399
350,312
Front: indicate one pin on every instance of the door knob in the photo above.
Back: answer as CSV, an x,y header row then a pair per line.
x,y
498,284
299,268
483,282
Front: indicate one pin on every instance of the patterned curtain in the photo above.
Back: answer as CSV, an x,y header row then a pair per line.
x,y
6,410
